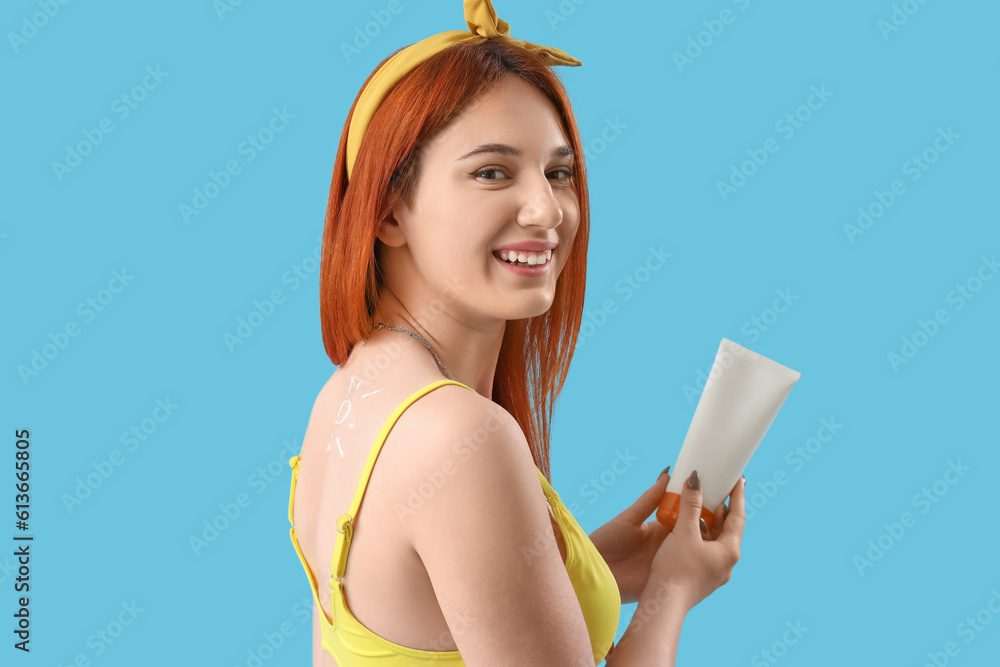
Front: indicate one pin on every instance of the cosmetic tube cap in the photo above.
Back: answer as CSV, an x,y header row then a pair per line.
x,y
669,510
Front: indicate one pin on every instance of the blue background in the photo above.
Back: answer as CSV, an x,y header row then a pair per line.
x,y
682,128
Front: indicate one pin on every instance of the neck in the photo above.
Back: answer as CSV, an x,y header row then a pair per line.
x,y
469,352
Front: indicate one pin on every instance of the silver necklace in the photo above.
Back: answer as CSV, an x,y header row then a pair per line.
x,y
414,334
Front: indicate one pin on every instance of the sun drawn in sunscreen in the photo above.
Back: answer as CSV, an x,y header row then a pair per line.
x,y
343,411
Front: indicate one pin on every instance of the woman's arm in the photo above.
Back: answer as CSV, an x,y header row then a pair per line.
x,y
654,632
485,538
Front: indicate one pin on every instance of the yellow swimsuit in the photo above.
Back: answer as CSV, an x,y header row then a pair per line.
x,y
354,645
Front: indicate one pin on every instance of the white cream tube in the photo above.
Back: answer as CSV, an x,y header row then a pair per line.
x,y
742,396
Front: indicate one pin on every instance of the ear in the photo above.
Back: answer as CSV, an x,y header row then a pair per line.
x,y
390,232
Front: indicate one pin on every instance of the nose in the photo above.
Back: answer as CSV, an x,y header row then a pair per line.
x,y
541,207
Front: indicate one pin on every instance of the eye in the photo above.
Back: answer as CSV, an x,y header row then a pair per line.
x,y
488,170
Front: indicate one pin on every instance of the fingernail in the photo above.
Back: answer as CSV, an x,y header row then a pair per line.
x,y
693,481
744,478
704,526
665,471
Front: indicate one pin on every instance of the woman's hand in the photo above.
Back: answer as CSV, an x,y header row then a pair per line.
x,y
628,545
693,562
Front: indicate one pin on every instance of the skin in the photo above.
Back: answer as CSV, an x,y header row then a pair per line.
x,y
442,248
440,252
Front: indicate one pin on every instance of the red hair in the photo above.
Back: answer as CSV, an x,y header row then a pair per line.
x,y
536,352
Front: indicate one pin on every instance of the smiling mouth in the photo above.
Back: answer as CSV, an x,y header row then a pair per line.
x,y
525,259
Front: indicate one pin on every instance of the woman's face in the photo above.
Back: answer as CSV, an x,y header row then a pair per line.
x,y
467,207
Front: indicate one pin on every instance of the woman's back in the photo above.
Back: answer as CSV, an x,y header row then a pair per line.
x,y
388,588
386,583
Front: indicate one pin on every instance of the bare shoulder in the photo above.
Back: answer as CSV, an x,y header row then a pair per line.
x,y
458,434
456,412
477,517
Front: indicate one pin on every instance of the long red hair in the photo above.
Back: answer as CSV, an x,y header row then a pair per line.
x,y
536,352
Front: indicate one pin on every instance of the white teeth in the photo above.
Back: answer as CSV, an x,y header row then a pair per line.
x,y
531,259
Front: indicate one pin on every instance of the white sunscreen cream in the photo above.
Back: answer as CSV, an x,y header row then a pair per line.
x,y
742,396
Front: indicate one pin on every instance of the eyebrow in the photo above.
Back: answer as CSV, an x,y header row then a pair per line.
x,y
510,151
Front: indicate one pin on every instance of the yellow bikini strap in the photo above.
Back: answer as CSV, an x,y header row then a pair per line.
x,y
294,462
345,526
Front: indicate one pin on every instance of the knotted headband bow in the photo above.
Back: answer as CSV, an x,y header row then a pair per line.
x,y
483,25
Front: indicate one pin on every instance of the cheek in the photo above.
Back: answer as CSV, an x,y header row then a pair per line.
x,y
466,255
568,233
571,221
570,207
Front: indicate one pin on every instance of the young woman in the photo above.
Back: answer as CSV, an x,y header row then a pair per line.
x,y
454,263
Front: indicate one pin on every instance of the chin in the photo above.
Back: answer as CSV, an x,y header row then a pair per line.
x,y
531,308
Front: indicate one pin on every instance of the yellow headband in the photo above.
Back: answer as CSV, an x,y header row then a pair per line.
x,y
483,25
